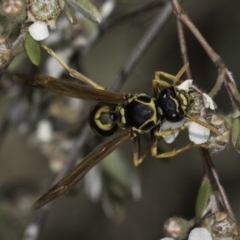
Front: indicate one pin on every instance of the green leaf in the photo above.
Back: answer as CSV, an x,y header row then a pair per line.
x,y
70,14
87,9
203,197
113,205
119,182
118,170
33,49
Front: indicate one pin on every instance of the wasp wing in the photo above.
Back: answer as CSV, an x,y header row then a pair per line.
x,y
70,89
83,167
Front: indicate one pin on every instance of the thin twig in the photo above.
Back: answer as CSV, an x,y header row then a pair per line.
x,y
17,48
214,180
142,46
72,72
207,161
182,15
183,47
105,25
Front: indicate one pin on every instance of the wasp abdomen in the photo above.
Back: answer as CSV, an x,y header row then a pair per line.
x,y
140,113
103,120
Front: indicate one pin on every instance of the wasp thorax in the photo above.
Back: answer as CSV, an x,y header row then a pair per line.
x,y
46,11
140,113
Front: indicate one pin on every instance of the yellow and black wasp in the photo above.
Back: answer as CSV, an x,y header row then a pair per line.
x,y
134,113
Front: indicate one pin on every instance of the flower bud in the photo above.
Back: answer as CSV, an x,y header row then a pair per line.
x,y
46,11
13,10
176,227
221,226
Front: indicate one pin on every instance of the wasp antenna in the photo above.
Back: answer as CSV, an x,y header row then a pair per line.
x,y
213,129
181,72
72,72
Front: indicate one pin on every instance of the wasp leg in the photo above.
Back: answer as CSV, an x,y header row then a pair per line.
x,y
171,131
72,72
166,75
171,77
181,72
157,83
174,152
167,132
204,124
137,159
160,83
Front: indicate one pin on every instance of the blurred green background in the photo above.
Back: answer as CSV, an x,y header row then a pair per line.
x,y
169,187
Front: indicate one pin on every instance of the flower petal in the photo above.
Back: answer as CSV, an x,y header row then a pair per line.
x,y
93,184
166,238
185,85
198,133
208,102
38,30
44,131
107,8
199,234
171,125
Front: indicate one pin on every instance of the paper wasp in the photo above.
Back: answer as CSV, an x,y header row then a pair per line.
x,y
134,113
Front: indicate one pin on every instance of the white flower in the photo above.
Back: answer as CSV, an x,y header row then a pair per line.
x,y
44,131
199,234
208,102
93,184
107,8
39,31
196,234
198,134
167,238
171,125
185,85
